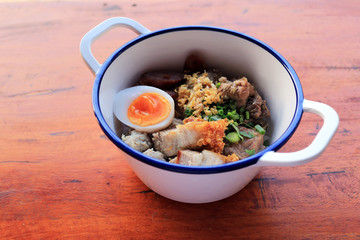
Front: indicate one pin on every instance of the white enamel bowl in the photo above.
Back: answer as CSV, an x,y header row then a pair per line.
x,y
234,53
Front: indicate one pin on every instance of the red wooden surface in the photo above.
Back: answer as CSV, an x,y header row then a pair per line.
x,y
60,178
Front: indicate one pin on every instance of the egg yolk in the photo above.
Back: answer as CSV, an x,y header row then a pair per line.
x,y
148,109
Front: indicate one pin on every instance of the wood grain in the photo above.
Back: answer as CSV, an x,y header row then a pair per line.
x,y
60,178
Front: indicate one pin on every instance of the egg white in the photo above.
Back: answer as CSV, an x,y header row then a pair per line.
x,y
125,97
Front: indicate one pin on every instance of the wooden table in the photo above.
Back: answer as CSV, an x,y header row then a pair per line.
x,y
61,178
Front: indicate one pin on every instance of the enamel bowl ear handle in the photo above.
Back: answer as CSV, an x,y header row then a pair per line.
x,y
87,40
318,145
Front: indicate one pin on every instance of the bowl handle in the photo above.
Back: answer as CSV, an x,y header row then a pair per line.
x,y
318,145
87,40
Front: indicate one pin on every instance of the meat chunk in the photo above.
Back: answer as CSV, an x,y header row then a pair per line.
x,y
155,154
258,110
245,95
255,143
188,157
238,90
137,140
204,158
212,158
162,79
194,134
170,141
214,74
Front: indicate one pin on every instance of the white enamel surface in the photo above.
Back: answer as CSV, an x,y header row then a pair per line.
x,y
87,40
235,56
193,188
125,97
322,139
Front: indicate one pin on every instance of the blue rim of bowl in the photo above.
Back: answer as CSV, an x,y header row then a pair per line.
x,y
197,169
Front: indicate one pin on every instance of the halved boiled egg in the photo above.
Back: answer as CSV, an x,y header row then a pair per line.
x,y
144,108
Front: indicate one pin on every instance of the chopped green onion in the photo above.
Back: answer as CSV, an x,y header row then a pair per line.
x,y
233,137
234,124
242,109
237,130
220,112
241,119
249,125
247,115
233,115
259,129
214,118
250,152
232,105
218,85
247,134
188,112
